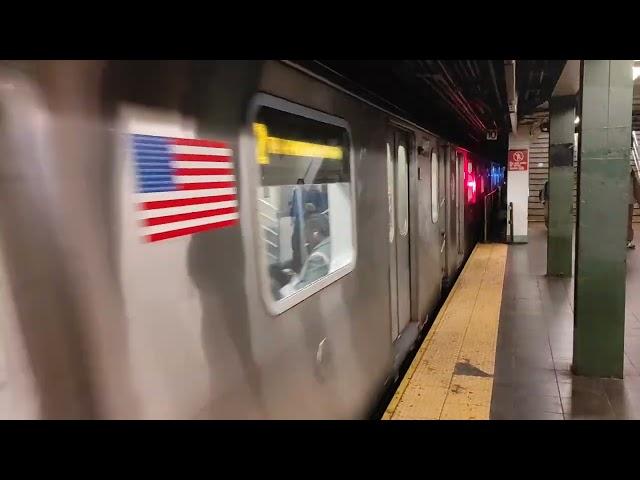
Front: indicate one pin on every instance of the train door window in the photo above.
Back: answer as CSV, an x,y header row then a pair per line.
x,y
305,200
452,179
443,179
403,191
390,195
434,186
460,202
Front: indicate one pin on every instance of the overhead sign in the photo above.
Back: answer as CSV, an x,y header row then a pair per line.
x,y
518,160
266,145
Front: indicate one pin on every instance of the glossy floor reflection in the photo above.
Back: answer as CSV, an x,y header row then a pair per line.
x,y
532,377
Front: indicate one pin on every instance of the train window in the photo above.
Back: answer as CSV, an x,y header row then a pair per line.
x,y
434,186
453,174
403,191
304,200
390,194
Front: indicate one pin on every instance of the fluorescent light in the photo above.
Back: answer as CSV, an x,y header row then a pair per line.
x,y
577,120
636,72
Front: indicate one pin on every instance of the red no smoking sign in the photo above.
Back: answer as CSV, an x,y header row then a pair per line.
x,y
518,160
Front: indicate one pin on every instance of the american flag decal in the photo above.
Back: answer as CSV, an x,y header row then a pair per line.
x,y
185,186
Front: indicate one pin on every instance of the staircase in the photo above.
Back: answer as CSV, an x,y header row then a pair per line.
x,y
635,153
635,115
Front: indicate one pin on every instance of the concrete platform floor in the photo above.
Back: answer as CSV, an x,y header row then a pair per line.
x,y
532,379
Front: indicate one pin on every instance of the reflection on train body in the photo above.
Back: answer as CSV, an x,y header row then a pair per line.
x,y
282,263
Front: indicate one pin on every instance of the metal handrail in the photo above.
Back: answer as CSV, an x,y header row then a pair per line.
x,y
270,230
486,216
269,242
274,220
511,227
273,207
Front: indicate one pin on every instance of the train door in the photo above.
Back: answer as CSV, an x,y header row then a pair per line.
x,y
460,195
452,215
398,162
442,201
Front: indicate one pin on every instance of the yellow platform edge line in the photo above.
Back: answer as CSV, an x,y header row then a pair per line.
x,y
393,404
503,255
485,266
465,397
475,402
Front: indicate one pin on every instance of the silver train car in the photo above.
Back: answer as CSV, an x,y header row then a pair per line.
x,y
216,239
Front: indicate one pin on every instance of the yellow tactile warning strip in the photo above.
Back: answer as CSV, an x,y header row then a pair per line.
x,y
451,376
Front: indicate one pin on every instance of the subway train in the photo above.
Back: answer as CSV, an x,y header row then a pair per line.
x,y
217,240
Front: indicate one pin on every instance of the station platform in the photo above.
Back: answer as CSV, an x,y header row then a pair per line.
x,y
501,346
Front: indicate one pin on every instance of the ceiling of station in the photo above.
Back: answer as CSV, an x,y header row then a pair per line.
x,y
458,99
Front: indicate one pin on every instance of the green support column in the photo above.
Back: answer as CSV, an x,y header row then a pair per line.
x,y
603,189
560,232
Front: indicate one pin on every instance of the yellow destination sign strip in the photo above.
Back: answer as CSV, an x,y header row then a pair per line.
x,y
266,145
